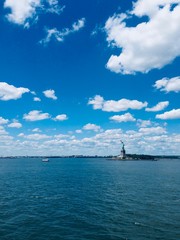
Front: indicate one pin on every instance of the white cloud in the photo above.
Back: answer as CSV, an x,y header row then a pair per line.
x,y
115,106
150,8
36,99
159,107
9,92
168,85
15,124
153,140
60,136
96,30
152,130
36,130
110,134
143,123
151,44
36,115
21,135
36,136
173,114
78,25
127,117
61,117
23,12
7,140
3,120
50,94
97,102
91,126
78,131
60,35
54,7
3,131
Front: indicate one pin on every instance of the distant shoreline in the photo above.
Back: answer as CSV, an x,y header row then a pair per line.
x,y
129,157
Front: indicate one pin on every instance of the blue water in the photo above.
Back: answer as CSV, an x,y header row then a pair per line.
x,y
89,199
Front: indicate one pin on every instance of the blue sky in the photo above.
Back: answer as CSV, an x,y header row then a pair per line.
x,y
78,77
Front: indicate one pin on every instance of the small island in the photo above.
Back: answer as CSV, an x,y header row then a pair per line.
x,y
124,157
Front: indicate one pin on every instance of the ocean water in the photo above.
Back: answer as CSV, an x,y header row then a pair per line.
x,y
89,199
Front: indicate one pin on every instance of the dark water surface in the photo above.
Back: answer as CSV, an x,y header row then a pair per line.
x,y
89,199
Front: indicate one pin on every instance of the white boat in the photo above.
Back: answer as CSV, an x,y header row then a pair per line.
x,y
45,160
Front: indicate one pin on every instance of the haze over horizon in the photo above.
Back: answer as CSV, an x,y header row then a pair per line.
x,y
78,77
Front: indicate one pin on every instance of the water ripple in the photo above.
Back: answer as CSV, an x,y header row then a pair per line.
x,y
88,199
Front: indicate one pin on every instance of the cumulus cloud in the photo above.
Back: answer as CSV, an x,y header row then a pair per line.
x,y
127,117
110,134
98,102
151,44
6,141
36,99
3,131
78,131
15,124
21,135
143,123
3,120
159,107
36,136
173,114
36,115
150,8
61,117
50,94
168,85
152,130
36,130
60,35
23,12
149,140
60,136
10,92
91,126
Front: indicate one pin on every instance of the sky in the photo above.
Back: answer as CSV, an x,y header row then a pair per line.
x,y
78,77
